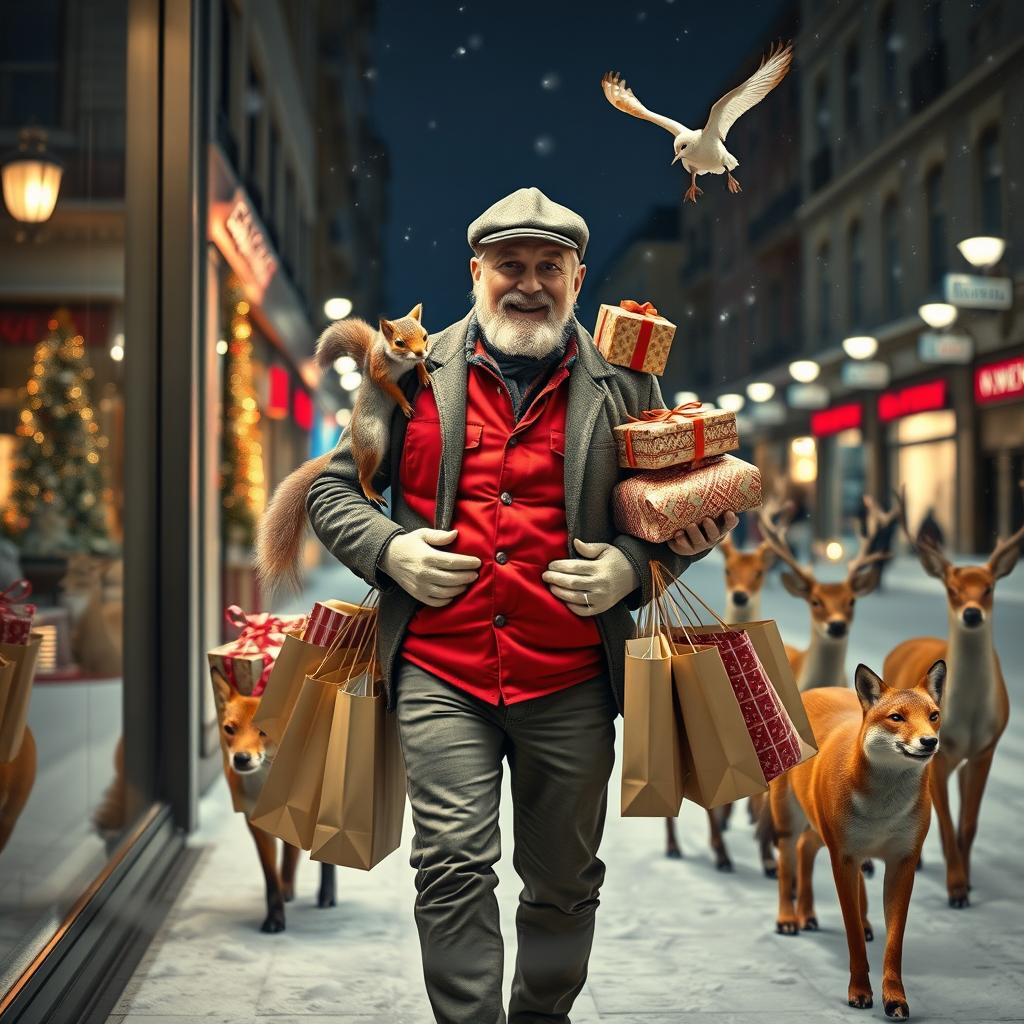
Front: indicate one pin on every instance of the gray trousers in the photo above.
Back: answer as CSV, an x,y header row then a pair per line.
x,y
560,750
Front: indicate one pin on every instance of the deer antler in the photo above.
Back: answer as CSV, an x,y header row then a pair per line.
x,y
928,553
1006,547
775,535
874,522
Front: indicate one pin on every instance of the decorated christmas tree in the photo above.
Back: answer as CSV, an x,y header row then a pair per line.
x,y
58,499
243,487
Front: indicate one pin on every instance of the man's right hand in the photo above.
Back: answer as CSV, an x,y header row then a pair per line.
x,y
419,568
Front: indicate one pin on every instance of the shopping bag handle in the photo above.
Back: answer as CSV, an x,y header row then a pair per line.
x,y
685,590
667,605
356,623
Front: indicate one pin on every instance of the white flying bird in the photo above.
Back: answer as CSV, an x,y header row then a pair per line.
x,y
704,152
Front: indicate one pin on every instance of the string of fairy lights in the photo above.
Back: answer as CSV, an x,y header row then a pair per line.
x,y
244,491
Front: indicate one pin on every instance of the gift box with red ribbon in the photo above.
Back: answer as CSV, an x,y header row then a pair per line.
x,y
247,660
686,434
15,615
654,504
633,334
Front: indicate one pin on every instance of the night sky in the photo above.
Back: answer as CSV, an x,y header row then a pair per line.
x,y
475,100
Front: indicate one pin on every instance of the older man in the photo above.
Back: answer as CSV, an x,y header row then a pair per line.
x,y
505,603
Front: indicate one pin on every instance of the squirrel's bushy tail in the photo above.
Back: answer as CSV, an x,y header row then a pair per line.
x,y
351,337
282,527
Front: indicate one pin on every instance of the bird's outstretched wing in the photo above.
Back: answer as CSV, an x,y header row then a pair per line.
x,y
739,100
620,96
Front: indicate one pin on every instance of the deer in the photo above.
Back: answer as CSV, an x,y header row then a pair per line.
x,y
745,573
976,706
823,663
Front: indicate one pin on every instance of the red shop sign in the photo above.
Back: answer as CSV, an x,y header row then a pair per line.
x,y
29,324
1000,380
302,409
893,405
839,418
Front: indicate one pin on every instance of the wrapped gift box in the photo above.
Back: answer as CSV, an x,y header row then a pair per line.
x,y
674,437
653,505
16,618
247,660
326,620
633,335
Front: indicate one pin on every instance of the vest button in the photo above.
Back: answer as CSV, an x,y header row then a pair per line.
x,y
499,620
506,498
501,558
513,441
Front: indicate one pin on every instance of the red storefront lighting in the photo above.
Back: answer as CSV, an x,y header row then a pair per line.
x,y
893,405
277,398
837,419
996,381
302,410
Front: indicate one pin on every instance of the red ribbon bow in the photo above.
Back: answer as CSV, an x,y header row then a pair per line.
x,y
14,593
258,636
664,416
643,308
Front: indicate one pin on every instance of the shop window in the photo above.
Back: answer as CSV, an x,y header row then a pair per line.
x,y
855,256
824,294
924,462
990,173
31,41
888,48
891,258
936,213
851,69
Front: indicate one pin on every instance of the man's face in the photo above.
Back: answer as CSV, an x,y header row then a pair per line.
x,y
525,290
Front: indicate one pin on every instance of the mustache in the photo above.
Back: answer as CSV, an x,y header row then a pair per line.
x,y
515,301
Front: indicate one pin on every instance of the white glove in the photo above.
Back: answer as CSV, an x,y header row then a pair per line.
x,y
592,584
431,576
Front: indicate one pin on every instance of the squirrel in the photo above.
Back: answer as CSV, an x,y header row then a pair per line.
x,y
384,356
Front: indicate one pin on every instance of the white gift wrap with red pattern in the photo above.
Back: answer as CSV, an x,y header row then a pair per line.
x,y
676,440
769,726
324,624
16,619
654,505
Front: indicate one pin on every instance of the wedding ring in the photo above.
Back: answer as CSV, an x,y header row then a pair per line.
x,y
586,597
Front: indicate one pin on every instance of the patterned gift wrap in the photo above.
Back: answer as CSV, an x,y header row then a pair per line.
x,y
769,726
653,505
16,618
633,335
673,437
243,671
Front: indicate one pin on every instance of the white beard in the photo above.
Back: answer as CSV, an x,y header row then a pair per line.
x,y
517,337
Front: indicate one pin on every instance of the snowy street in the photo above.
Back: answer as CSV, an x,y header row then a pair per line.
x,y
675,939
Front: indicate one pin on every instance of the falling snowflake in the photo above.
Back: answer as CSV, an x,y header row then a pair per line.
x,y
641,15
550,81
370,74
460,51
544,145
431,124
475,41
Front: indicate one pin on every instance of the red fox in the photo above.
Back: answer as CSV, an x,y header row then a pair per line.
x,y
248,753
864,795
384,357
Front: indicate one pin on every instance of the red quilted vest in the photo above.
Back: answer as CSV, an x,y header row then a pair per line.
x,y
507,637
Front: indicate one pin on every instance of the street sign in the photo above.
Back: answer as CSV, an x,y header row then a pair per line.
x,y
865,374
974,292
807,396
767,413
936,347
1000,380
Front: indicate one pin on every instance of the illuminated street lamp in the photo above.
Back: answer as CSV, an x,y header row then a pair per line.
x,y
760,391
31,178
938,314
982,251
804,370
860,346
731,402
337,308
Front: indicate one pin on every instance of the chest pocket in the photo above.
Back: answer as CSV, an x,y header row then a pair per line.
x,y
558,442
421,454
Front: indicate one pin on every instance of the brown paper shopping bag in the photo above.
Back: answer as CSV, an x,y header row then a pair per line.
x,y
17,670
362,804
296,659
289,801
652,744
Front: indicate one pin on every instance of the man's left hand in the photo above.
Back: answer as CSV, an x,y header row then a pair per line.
x,y
592,584
706,534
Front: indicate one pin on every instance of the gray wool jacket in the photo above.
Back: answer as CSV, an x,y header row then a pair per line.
x,y
600,397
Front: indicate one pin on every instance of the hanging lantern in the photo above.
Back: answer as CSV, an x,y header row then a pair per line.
x,y
31,178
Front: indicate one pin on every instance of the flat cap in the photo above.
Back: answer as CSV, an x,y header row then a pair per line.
x,y
528,213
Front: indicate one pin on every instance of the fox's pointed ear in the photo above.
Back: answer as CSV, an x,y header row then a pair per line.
x,y
387,328
416,311
222,691
934,683
869,686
